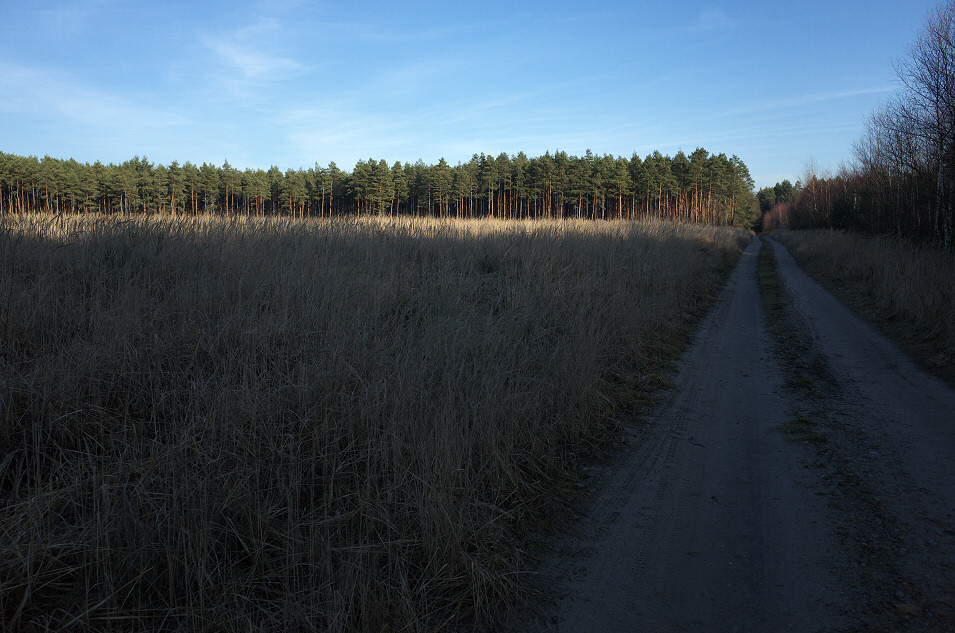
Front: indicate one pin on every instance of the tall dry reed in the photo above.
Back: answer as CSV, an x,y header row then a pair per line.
x,y
233,424
906,286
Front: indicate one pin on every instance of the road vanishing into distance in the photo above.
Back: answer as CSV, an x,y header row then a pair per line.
x,y
800,476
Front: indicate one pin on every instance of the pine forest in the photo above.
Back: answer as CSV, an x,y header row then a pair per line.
x,y
701,187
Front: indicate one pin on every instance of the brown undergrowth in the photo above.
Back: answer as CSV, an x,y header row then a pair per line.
x,y
905,288
235,424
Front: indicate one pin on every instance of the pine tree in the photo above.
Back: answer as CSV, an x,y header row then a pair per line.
x,y
382,186
399,180
441,179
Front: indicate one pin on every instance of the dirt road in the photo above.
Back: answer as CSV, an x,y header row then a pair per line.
x,y
755,499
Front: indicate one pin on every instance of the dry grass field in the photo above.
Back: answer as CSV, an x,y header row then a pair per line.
x,y
232,424
908,289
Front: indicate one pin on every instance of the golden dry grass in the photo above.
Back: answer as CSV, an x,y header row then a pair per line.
x,y
234,424
907,288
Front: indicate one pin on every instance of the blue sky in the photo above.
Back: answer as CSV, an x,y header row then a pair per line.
x,y
294,83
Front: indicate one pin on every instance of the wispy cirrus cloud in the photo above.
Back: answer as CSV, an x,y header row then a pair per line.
x,y
712,21
40,92
342,31
253,64
72,19
803,100
47,111
345,130
253,52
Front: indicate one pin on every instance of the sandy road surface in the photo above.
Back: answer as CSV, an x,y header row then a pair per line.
x,y
893,427
714,519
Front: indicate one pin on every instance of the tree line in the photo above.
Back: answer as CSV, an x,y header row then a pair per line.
x,y
781,193
701,187
902,178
